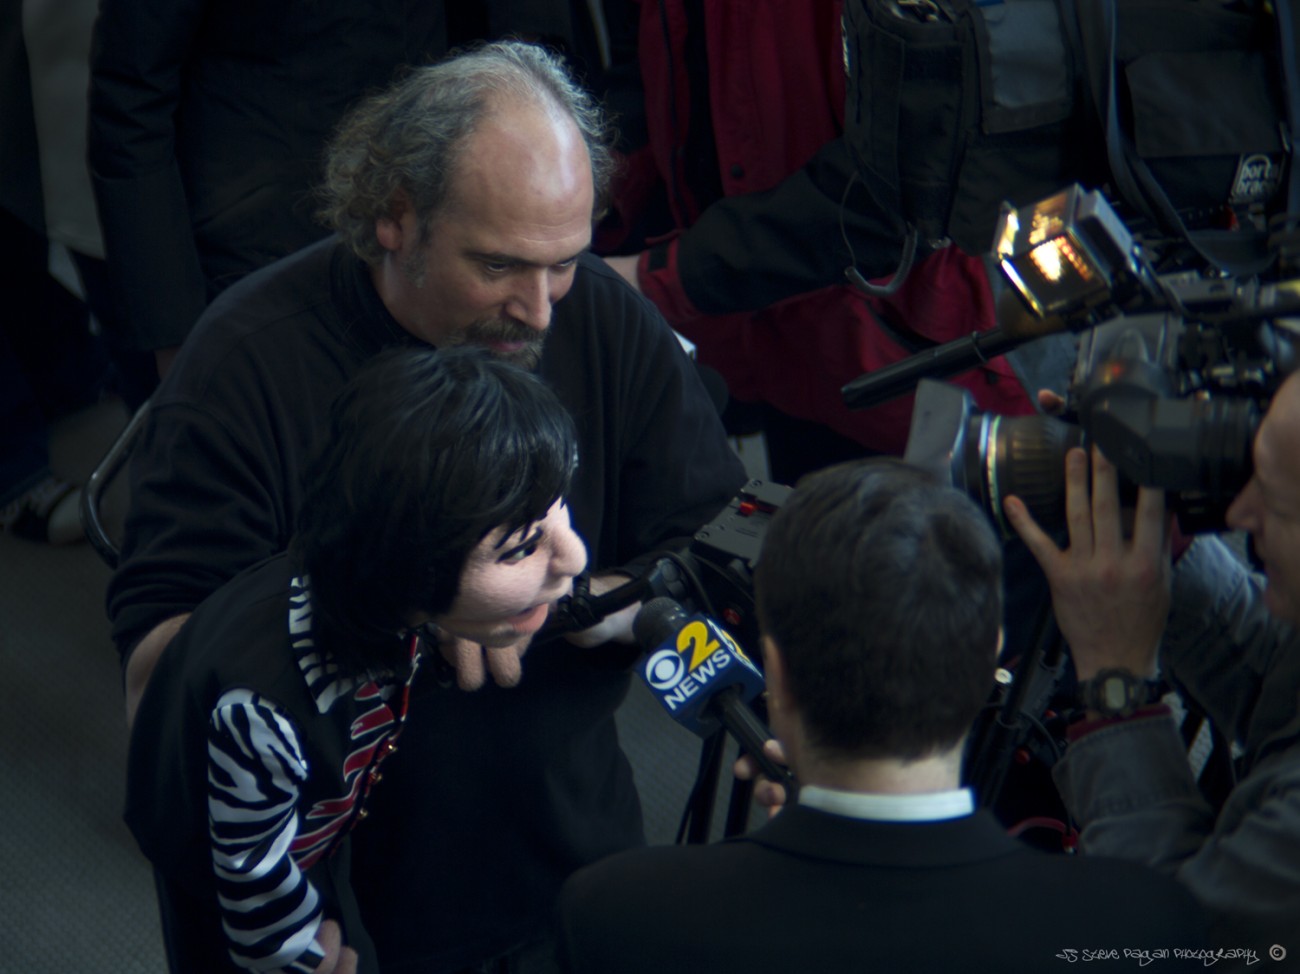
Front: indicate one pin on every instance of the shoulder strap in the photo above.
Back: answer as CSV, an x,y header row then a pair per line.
x,y
1288,31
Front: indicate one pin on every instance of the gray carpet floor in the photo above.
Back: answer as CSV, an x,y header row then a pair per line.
x,y
75,893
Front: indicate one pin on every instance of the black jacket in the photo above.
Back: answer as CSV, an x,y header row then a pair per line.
x,y
811,891
207,121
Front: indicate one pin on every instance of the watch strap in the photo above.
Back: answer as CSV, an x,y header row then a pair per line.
x,y
1117,692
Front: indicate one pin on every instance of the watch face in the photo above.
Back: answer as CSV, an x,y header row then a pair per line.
x,y
1119,693
1114,694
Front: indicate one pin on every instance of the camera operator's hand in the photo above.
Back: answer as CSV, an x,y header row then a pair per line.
x,y
767,793
1110,593
1050,402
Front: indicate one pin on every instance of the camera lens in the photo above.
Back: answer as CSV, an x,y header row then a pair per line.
x,y
1024,456
1227,431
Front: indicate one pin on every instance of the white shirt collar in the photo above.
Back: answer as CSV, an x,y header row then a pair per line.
x,y
931,806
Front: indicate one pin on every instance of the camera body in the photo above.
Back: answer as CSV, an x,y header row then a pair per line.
x,y
1172,375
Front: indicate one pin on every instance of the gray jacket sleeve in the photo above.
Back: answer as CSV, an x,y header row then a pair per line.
x,y
1130,786
1225,651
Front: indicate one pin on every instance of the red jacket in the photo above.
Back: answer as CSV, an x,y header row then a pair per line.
x,y
755,277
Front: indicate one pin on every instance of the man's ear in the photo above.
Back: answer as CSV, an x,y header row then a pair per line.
x,y
390,229
778,686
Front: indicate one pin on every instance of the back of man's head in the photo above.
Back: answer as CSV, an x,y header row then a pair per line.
x,y
405,142
882,592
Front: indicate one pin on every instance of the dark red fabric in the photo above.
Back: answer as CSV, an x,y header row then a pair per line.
x,y
776,88
776,96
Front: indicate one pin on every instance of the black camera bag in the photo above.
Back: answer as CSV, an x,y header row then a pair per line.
x,y
1181,107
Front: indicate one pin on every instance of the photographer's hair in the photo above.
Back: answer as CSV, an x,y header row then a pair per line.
x,y
409,138
883,592
428,451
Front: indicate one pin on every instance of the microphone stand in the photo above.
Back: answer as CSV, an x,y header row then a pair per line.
x,y
1035,679
698,816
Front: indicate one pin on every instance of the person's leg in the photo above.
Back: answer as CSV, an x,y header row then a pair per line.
x,y
24,444
49,365
135,374
24,449
48,326
31,498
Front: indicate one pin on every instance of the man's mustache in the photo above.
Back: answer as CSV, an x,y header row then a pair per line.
x,y
502,330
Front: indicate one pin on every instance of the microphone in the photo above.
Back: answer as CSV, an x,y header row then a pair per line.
x,y
703,678
1016,324
581,610
900,378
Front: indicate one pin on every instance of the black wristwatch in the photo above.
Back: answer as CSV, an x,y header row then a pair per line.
x,y
1119,693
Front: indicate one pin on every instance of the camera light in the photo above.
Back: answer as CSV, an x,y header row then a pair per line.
x,y
1056,258
1059,252
1008,229
1047,258
1045,223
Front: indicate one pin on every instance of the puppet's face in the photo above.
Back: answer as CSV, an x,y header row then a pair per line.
x,y
509,583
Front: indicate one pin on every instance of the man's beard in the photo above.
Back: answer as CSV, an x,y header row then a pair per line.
x,y
485,331
492,331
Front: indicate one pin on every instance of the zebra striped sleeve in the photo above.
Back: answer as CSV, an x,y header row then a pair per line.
x,y
270,912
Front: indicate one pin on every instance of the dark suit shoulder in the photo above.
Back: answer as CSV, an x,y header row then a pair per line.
x,y
764,904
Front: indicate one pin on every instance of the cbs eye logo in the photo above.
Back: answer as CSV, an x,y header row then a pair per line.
x,y
665,669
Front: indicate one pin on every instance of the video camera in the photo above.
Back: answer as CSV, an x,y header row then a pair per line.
x,y
1176,364
956,106
1174,370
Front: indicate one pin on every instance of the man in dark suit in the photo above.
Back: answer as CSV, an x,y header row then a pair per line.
x,y
880,602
